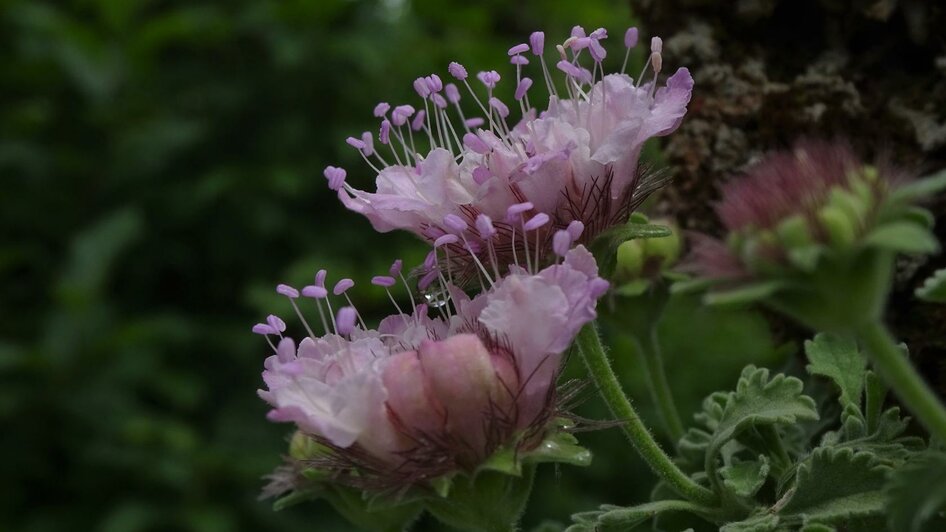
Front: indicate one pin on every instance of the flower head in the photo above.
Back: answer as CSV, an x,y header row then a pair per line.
x,y
572,160
811,223
421,396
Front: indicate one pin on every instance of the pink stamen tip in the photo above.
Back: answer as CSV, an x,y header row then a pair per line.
x,y
485,226
536,222
418,122
568,68
489,78
481,174
345,320
434,83
476,121
598,53
335,176
599,34
446,240
656,45
320,277
578,32
500,107
381,109
513,212
455,223
420,86
598,287
396,267
368,140
383,280
518,49
288,291
457,71
385,134
342,286
575,229
561,242
355,143
452,92
263,329
523,88
537,42
428,279
520,60
630,37
430,261
276,322
401,113
475,143
580,43
439,100
315,292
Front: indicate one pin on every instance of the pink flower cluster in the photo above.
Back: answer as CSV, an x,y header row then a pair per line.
x,y
574,160
420,396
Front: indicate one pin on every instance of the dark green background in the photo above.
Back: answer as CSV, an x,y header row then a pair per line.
x,y
160,172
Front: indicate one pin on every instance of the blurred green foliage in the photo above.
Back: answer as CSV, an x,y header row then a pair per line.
x,y
161,171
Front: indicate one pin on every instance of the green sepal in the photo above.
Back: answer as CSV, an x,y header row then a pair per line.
x,y
488,500
606,244
560,447
934,287
691,286
902,237
297,497
921,188
502,461
745,294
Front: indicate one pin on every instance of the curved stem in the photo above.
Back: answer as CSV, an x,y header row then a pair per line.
x,y
659,386
894,367
589,345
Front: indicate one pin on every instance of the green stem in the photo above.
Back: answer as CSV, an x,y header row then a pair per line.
x,y
589,345
649,346
893,366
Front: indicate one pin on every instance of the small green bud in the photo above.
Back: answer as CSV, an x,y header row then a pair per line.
x,y
666,248
794,232
756,252
838,226
853,207
303,447
630,260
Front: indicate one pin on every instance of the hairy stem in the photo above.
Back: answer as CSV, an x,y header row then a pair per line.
x,y
589,345
652,357
893,366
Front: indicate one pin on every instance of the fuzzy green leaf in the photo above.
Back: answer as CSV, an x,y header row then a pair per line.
x,y
835,486
837,358
759,400
916,495
905,237
611,518
758,523
934,288
745,478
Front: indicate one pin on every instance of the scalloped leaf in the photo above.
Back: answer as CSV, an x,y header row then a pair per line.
x,y
745,478
934,288
836,486
916,495
610,518
837,358
759,400
903,237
